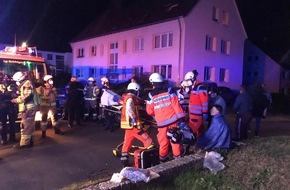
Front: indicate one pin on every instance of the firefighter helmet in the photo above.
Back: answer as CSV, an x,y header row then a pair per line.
x,y
185,83
156,77
133,86
47,77
104,80
191,75
19,76
91,79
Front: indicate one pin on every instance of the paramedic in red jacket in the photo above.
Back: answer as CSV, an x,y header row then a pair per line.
x,y
130,121
198,103
164,106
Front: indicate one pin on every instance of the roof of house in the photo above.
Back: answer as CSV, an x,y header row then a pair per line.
x,y
135,14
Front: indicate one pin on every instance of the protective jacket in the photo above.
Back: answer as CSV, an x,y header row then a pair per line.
x,y
91,92
198,101
164,106
130,113
47,96
27,98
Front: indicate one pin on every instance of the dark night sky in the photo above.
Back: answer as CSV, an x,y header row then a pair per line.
x,y
51,24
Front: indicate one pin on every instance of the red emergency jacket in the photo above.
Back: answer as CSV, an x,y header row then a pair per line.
x,y
198,101
125,120
165,107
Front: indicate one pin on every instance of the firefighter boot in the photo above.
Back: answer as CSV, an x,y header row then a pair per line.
x,y
43,134
58,131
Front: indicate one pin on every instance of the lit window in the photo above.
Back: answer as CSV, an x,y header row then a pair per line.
x,y
225,18
113,67
102,50
139,44
215,14
224,75
163,40
125,46
225,47
211,43
209,74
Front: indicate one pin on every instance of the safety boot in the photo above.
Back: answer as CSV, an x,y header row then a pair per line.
x,y
58,131
43,134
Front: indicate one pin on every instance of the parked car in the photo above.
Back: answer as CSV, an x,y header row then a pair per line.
x,y
228,95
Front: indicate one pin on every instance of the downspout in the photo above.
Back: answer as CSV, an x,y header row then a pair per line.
x,y
179,51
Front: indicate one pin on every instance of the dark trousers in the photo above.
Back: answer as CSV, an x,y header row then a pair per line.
x,y
12,116
242,125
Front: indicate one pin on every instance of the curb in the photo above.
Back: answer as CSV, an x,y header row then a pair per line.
x,y
167,169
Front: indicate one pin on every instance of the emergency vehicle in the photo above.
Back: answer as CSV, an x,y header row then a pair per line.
x,y
23,58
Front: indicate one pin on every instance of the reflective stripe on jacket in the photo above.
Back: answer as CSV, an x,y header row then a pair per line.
x,y
125,119
198,101
165,107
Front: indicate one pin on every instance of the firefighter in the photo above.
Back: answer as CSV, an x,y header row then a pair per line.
x,y
47,93
91,92
130,121
164,106
28,102
8,111
198,103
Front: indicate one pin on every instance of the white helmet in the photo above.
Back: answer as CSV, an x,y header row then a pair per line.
x,y
191,75
91,79
47,77
133,86
19,76
104,79
156,77
186,83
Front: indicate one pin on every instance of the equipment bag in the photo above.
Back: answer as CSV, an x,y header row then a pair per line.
x,y
146,158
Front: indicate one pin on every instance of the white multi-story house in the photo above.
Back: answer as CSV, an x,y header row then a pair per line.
x,y
170,38
58,62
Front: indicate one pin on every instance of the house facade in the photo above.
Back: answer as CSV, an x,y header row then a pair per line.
x,y
207,36
259,68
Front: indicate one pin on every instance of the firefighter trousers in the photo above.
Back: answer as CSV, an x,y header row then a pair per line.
x,y
165,143
27,126
131,134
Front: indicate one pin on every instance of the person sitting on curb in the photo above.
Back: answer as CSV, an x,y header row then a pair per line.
x,y
218,135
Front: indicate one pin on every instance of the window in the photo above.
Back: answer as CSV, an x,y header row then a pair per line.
x,y
209,73
125,46
113,66
164,70
102,50
137,71
59,60
215,14
93,72
139,44
224,75
163,40
124,73
79,72
225,18
49,56
225,47
93,50
80,52
210,43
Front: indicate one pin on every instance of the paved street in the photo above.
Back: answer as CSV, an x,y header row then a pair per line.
x,y
82,153
57,161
